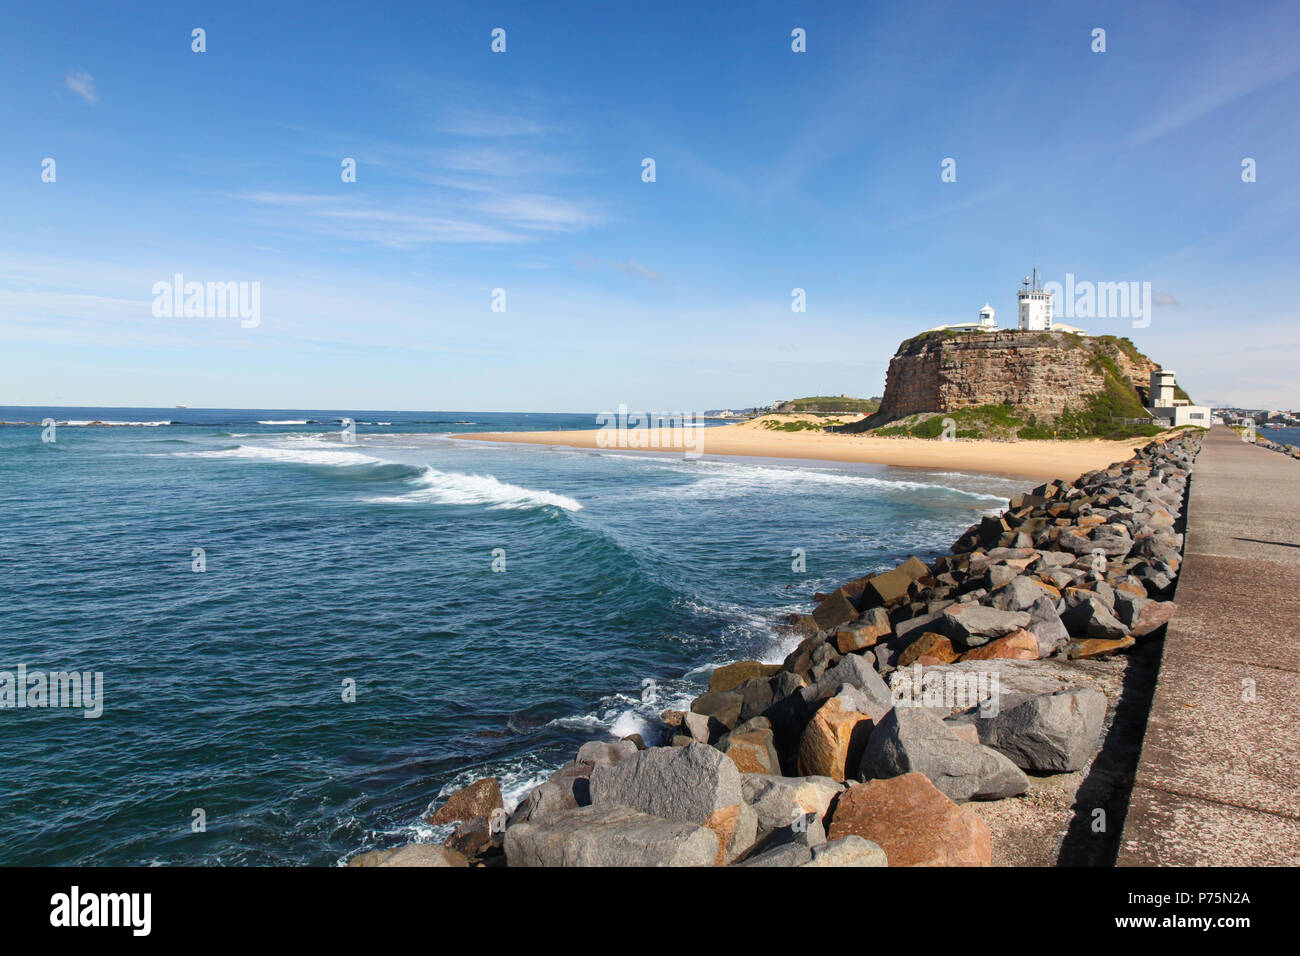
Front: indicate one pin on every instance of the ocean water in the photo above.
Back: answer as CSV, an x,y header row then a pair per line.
x,y
1283,436
627,576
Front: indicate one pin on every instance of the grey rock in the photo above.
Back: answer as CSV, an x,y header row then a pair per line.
x,y
601,753
1056,733
912,739
755,697
779,801
805,830
905,631
1092,618
1128,607
823,656
697,726
1047,627
754,723
851,850
787,854
854,670
1001,574
786,683
862,701
686,784
566,789
724,705
970,625
609,836
1019,594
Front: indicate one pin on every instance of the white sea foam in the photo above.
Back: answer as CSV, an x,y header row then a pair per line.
x,y
723,478
517,778
101,421
296,456
453,488
620,715
287,421
730,480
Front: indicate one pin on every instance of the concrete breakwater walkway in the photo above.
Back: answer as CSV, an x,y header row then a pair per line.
x,y
1218,782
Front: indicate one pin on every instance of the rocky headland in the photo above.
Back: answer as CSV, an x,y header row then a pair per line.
x,y
1013,384
947,713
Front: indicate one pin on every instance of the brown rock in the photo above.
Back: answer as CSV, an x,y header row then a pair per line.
x,y
1019,645
372,858
913,822
967,732
1094,647
1132,587
855,587
732,676
479,799
804,624
799,660
930,644
1153,615
471,838
833,741
723,705
424,854
723,823
835,610
673,718
887,588
865,632
752,752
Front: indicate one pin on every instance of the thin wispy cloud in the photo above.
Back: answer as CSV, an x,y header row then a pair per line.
x,y
631,267
537,211
83,84
475,199
636,269
345,219
492,124
1220,84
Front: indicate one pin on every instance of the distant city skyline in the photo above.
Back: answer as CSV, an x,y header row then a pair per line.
x,y
517,178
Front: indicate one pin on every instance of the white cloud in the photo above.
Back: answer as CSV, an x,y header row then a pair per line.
x,y
636,269
83,84
536,211
345,219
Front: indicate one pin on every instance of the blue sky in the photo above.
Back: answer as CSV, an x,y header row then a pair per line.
x,y
522,171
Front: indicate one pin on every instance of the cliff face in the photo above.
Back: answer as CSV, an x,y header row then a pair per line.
x,y
1039,373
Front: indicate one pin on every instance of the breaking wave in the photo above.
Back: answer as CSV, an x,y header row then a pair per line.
x,y
451,488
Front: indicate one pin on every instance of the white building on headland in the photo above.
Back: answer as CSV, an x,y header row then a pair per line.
x,y
1035,306
985,323
1176,411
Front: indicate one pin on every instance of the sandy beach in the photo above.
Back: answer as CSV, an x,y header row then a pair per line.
x,y
1029,459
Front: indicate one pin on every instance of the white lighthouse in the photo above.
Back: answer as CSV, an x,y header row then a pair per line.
x,y
1035,306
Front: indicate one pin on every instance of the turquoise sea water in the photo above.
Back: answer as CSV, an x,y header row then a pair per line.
x,y
372,562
